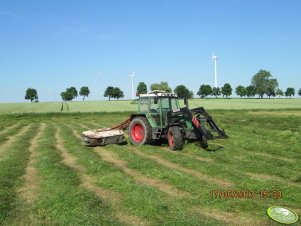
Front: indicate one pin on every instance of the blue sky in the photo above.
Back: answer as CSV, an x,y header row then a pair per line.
x,y
54,44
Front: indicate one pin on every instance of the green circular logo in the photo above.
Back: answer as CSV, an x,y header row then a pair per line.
x,y
282,215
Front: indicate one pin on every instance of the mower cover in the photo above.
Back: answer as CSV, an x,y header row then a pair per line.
x,y
102,137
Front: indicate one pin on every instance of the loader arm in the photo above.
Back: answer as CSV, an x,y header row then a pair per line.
x,y
198,128
198,117
210,121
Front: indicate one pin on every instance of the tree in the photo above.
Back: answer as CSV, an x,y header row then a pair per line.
x,y
261,82
84,91
250,91
109,92
204,91
279,92
141,88
227,90
117,93
31,94
216,91
241,91
183,92
73,91
271,87
161,86
290,92
299,92
67,95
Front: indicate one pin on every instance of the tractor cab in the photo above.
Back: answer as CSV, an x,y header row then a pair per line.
x,y
156,106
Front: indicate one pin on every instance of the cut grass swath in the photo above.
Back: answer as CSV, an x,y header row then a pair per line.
x,y
12,167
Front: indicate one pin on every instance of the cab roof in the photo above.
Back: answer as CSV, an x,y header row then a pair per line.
x,y
159,93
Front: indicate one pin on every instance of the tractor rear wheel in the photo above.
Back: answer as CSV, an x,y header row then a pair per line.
x,y
140,131
175,138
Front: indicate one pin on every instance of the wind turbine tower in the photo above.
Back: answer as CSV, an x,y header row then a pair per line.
x,y
132,76
214,58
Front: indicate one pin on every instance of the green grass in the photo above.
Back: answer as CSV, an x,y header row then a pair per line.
x,y
62,201
12,167
145,202
120,106
262,153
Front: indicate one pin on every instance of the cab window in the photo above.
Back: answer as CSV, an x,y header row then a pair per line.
x,y
169,104
144,104
174,104
153,107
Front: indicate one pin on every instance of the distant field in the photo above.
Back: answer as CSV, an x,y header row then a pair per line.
x,y
120,106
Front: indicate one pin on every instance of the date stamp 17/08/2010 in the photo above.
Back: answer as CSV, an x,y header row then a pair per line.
x,y
245,194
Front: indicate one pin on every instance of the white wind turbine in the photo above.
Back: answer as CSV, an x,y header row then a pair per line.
x,y
132,76
214,58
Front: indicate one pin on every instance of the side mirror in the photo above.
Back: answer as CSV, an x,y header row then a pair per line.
x,y
186,102
156,100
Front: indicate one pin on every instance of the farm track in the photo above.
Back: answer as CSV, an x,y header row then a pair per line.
x,y
30,187
88,182
12,139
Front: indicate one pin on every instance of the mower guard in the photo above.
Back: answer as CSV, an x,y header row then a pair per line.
x,y
101,137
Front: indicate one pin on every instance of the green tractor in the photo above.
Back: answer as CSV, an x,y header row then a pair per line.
x,y
160,117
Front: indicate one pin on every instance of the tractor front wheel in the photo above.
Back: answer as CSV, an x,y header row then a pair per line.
x,y
140,131
175,138
204,143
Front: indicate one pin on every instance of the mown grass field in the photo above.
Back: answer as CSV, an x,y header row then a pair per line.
x,y
125,105
47,177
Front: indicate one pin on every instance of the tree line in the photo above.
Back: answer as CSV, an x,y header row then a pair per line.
x,y
183,92
262,83
68,95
